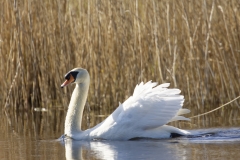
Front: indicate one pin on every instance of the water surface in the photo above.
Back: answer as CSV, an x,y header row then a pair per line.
x,y
34,135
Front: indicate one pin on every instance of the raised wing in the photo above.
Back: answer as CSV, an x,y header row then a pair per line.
x,y
151,106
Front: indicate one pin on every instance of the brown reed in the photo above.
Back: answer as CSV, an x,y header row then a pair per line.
x,y
194,45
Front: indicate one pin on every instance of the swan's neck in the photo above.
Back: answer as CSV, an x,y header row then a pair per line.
x,y
75,109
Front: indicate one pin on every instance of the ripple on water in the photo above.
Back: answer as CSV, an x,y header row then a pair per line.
x,y
231,135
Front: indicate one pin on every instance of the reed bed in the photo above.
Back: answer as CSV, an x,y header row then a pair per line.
x,y
194,45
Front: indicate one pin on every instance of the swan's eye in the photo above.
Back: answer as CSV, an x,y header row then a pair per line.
x,y
74,74
67,77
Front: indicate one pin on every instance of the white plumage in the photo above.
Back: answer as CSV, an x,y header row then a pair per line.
x,y
143,115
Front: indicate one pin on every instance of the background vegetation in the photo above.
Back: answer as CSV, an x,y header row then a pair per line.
x,y
194,45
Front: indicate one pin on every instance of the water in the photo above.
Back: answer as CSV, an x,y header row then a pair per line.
x,y
34,135
185,148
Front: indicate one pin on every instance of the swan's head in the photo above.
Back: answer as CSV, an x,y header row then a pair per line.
x,y
76,75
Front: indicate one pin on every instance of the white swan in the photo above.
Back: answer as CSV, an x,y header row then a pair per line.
x,y
143,115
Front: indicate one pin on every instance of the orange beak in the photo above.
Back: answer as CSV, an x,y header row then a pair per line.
x,y
68,81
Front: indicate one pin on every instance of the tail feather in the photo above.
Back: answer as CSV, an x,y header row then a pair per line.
x,y
179,118
183,111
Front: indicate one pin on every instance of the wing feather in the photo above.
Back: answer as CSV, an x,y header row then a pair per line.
x,y
151,106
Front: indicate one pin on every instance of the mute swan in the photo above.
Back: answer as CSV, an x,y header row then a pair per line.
x,y
143,115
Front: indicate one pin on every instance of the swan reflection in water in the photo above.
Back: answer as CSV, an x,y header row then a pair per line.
x,y
210,143
122,149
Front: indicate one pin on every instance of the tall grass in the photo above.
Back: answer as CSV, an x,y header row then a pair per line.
x,y
194,45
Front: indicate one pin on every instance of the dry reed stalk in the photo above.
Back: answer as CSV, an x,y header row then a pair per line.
x,y
155,28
